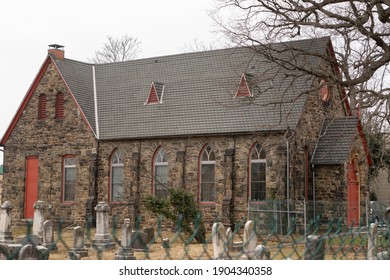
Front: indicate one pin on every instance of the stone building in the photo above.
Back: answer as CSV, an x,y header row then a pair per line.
x,y
228,125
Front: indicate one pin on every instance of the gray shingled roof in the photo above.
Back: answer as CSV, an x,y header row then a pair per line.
x,y
198,93
79,78
335,141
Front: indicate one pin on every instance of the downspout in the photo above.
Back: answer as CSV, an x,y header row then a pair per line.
x,y
288,183
314,192
288,180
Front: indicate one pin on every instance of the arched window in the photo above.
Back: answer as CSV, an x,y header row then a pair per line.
x,y
42,107
161,173
59,106
116,179
258,166
207,175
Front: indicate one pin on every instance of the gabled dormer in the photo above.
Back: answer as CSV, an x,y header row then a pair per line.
x,y
155,94
245,86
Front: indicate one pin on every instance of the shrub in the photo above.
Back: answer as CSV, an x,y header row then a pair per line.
x,y
180,208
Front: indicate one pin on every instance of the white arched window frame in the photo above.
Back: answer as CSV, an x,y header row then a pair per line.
x,y
207,175
160,173
116,180
258,174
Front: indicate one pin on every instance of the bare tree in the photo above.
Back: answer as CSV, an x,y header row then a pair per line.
x,y
117,49
197,46
360,33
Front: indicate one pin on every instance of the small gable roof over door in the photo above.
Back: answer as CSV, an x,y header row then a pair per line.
x,y
335,141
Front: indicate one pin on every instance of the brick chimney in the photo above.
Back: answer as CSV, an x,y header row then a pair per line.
x,y
56,51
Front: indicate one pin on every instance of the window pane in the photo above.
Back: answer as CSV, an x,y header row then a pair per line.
x,y
161,180
69,183
117,183
207,182
258,181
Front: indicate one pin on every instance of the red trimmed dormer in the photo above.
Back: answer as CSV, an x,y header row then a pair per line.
x,y
155,94
245,85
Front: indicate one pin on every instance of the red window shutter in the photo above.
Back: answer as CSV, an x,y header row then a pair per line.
x,y
42,107
59,105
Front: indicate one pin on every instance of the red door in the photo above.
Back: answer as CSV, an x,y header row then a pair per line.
x,y
353,196
31,191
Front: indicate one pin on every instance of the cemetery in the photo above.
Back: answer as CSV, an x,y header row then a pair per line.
x,y
41,240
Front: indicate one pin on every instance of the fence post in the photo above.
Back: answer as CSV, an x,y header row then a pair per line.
x,y
315,248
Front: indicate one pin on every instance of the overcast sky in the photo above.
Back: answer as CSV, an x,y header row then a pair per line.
x,y
28,27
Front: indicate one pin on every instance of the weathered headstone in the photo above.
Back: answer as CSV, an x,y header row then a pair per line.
x,y
43,253
138,240
29,252
149,234
261,253
219,241
125,251
229,239
372,241
165,243
4,252
102,238
73,256
315,248
78,242
250,240
5,223
37,230
48,236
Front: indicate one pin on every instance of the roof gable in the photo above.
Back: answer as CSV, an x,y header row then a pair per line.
x,y
245,86
155,93
29,94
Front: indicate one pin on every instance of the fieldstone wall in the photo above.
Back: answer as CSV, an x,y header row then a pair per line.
x,y
183,172
50,140
304,139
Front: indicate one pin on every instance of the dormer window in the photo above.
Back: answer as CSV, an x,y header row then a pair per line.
x,y
156,93
245,85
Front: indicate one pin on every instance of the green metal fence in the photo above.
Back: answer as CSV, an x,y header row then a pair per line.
x,y
160,242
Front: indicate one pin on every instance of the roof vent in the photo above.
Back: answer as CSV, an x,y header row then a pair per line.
x,y
155,94
56,51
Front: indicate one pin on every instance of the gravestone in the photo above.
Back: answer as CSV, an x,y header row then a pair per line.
x,y
261,253
372,241
229,239
149,235
125,251
37,230
4,252
315,248
78,242
102,238
219,241
138,240
250,240
48,236
73,256
28,252
43,253
165,243
5,223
